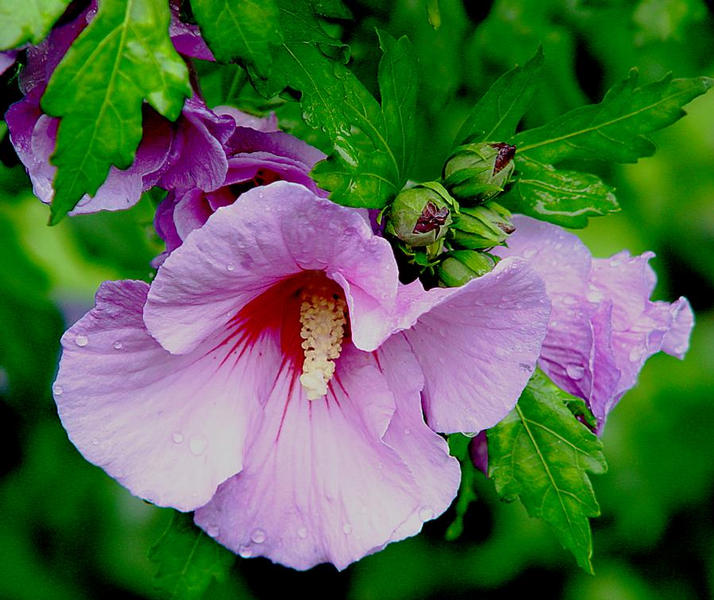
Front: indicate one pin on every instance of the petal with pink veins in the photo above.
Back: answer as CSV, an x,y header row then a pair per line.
x,y
335,479
270,234
477,345
170,428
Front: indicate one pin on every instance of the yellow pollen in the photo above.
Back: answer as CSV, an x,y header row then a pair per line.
x,y
323,319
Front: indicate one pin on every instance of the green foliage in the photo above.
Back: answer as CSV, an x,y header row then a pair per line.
x,y
613,130
24,22
246,30
616,128
542,454
31,323
496,115
565,198
398,91
371,163
188,560
123,57
373,144
459,448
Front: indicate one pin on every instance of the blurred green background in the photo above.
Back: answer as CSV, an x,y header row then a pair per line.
x,y
69,531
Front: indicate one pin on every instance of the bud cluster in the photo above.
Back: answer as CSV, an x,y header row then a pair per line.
x,y
447,226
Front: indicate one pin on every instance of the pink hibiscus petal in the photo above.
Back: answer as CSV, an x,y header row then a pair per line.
x,y
639,326
169,428
477,345
271,233
603,326
335,479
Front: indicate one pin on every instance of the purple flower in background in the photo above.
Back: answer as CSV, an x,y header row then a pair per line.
x,y
256,153
603,326
273,376
191,154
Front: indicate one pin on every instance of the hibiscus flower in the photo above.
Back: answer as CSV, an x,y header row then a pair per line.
x,y
603,326
277,378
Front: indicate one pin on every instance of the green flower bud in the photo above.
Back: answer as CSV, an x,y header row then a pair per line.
x,y
482,226
421,215
479,171
461,266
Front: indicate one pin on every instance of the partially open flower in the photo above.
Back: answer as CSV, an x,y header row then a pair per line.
x,y
603,326
479,171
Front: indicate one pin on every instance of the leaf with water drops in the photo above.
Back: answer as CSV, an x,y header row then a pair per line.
x,y
187,560
616,129
562,197
374,144
245,30
542,453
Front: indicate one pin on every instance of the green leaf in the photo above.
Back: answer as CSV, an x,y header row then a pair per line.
x,y
333,9
188,560
123,57
245,30
616,128
496,115
397,76
542,454
24,22
565,198
374,146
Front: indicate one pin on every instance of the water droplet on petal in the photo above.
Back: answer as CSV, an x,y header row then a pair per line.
x,y
347,528
426,513
575,371
198,445
594,295
302,533
213,530
57,389
245,552
177,437
258,536
230,267
117,345
81,340
635,354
